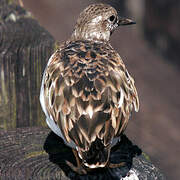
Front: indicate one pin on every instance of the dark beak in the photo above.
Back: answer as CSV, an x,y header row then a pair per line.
x,y
125,21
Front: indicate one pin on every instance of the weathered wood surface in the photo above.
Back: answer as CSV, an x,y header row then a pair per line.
x,y
22,156
24,50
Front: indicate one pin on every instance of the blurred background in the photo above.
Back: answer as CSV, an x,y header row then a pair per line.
x,y
151,52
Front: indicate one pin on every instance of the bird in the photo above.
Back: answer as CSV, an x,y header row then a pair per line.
x,y
87,94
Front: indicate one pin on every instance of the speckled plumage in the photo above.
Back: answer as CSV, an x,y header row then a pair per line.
x,y
87,93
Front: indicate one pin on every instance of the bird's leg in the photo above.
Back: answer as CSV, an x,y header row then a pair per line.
x,y
79,169
111,165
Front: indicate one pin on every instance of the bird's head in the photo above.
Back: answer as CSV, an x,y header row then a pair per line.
x,y
97,22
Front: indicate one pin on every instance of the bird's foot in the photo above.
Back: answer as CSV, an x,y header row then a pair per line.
x,y
79,169
111,165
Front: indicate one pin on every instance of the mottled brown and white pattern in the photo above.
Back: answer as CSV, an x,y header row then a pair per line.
x,y
87,93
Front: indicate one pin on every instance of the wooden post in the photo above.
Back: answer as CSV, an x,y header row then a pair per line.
x,y
23,157
24,50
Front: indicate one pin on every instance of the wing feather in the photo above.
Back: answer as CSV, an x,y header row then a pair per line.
x,y
88,93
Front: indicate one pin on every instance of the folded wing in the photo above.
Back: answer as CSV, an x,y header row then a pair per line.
x,y
88,93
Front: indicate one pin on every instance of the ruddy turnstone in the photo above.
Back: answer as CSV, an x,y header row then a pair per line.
x,y
87,93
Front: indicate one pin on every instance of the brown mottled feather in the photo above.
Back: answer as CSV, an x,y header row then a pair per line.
x,y
87,94
84,82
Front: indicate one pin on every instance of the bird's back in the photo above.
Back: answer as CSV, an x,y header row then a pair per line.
x,y
89,94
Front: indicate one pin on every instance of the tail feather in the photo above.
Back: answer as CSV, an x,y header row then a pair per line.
x,y
97,155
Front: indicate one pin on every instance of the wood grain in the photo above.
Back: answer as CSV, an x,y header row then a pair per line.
x,y
36,153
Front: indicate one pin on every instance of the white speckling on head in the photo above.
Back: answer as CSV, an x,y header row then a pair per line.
x,y
93,23
97,19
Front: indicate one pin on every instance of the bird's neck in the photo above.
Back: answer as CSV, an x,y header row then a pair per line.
x,y
91,35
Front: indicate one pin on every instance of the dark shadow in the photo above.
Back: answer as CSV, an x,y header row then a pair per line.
x,y
123,151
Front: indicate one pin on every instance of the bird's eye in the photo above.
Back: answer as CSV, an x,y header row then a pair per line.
x,y
111,18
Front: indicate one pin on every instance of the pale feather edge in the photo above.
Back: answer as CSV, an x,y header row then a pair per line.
x,y
49,120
